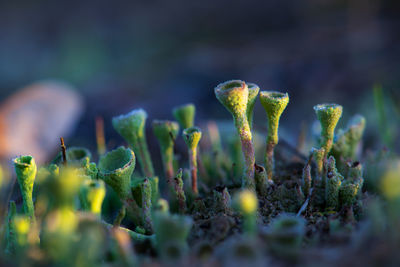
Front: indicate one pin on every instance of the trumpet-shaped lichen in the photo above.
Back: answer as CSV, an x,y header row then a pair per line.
x,y
26,169
192,138
328,115
234,96
166,133
185,115
274,104
132,127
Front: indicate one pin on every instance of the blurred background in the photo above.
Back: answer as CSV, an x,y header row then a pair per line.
x,y
119,55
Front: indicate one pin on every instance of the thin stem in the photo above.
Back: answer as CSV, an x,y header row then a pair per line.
x,y
244,132
167,154
269,160
193,169
144,156
63,150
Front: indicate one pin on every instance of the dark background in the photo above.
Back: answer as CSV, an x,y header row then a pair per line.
x,y
157,54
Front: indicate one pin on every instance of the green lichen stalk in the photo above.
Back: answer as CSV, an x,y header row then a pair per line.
x,y
319,158
348,140
262,182
192,138
253,93
147,203
234,96
92,194
274,104
328,115
179,192
132,127
332,185
116,168
185,115
166,133
26,169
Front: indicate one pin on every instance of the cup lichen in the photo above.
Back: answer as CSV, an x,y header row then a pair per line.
x,y
234,96
274,104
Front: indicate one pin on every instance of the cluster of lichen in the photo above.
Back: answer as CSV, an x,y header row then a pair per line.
x,y
70,213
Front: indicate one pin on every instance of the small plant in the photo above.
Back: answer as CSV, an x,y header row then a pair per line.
x,y
89,212
328,115
192,138
185,115
132,128
332,185
26,169
274,104
171,232
246,203
253,93
285,235
92,194
348,141
166,133
234,96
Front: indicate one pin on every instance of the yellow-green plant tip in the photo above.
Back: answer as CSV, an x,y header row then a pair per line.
x,y
234,96
162,205
166,133
192,137
116,168
26,169
246,203
185,115
92,194
132,127
254,89
21,226
328,115
274,104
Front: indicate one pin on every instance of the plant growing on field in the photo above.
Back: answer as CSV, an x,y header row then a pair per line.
x,y
234,96
166,133
185,115
132,127
192,138
26,169
80,211
274,104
